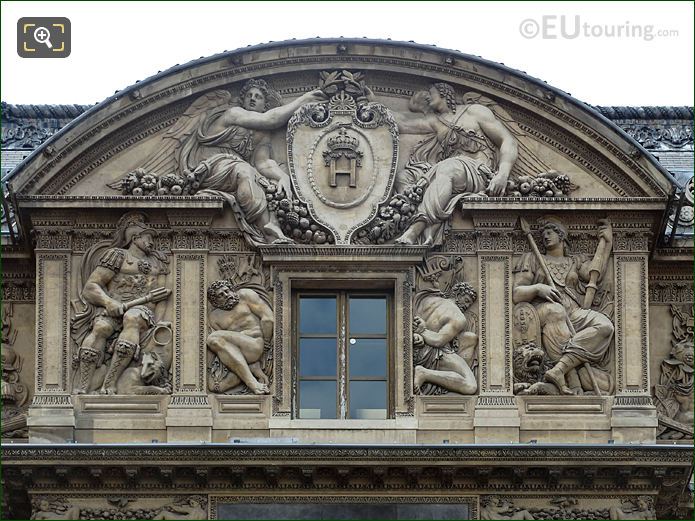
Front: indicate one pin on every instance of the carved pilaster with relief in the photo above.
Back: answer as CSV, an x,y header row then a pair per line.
x,y
51,416
189,417
634,417
496,414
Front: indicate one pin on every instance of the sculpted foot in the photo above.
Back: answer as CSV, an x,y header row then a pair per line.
x,y
260,389
557,378
405,239
419,378
107,391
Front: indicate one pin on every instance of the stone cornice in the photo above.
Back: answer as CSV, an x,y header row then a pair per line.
x,y
300,254
216,453
52,167
118,201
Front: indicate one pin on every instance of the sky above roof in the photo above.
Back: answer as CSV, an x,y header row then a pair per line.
x,y
603,53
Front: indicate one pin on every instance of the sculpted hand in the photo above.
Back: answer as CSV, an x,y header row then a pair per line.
x,y
114,308
285,186
418,324
547,293
497,186
314,96
418,341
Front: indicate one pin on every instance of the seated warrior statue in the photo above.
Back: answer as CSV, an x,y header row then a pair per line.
x,y
442,344
466,151
242,324
574,336
125,293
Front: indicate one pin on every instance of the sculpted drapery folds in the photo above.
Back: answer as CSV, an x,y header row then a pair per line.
x,y
575,337
242,324
466,151
673,395
218,149
123,299
443,341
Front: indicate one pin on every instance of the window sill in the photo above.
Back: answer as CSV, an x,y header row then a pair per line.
x,y
400,423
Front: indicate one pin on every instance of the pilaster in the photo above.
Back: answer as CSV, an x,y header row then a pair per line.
x,y
496,414
51,417
634,418
189,416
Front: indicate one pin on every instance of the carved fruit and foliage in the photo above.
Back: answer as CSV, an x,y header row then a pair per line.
x,y
122,345
469,149
241,319
562,325
340,184
673,395
563,507
444,337
117,507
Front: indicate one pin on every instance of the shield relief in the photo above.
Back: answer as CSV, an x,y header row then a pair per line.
x,y
342,161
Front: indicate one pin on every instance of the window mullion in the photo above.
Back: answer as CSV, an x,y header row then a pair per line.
x,y
342,354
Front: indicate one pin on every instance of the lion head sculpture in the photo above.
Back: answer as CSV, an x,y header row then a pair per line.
x,y
529,363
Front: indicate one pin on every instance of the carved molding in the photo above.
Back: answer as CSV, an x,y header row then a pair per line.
x,y
630,241
200,386
494,240
661,135
18,287
53,238
166,116
670,290
624,298
490,318
43,304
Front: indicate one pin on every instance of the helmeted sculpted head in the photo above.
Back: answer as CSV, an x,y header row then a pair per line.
x,y
221,295
133,226
553,232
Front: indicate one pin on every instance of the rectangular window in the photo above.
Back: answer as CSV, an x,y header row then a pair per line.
x,y
342,355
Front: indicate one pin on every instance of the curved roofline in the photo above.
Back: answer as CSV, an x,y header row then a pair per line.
x,y
593,111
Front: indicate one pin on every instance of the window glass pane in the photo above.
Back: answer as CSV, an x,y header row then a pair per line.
x,y
317,315
367,357
317,400
368,400
317,356
367,315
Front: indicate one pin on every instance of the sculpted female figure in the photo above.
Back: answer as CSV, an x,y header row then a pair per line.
x,y
471,151
241,138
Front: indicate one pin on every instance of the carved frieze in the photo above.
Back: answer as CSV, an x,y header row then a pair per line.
x,y
445,334
562,327
122,345
673,394
242,328
14,390
119,507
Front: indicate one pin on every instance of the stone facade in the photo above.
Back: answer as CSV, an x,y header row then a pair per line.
x,y
345,266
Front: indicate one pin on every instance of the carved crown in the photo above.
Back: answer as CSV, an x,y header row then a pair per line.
x,y
343,143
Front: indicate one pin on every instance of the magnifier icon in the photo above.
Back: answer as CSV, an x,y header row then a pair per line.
x,y
43,35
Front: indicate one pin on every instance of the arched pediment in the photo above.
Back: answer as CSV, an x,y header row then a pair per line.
x,y
553,131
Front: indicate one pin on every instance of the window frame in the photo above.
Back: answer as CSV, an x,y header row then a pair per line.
x,y
342,378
